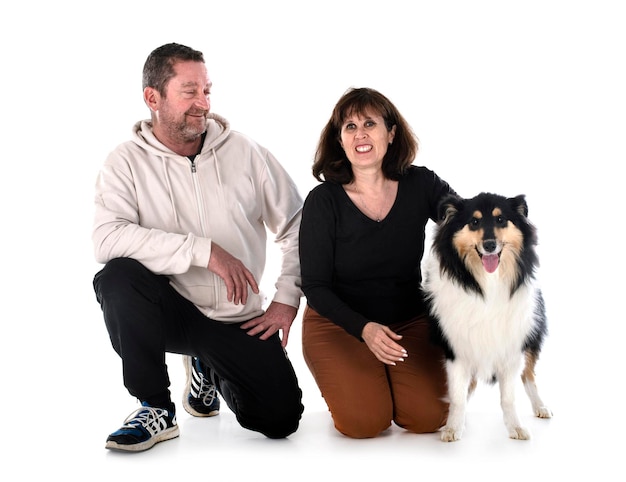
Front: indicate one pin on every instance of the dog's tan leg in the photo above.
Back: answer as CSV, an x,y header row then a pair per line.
x,y
528,379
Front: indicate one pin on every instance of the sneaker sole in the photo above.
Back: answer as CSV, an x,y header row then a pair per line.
x,y
188,408
168,434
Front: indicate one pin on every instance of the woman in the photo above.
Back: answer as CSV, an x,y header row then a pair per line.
x,y
365,330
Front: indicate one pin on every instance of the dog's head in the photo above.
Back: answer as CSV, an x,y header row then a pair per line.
x,y
487,233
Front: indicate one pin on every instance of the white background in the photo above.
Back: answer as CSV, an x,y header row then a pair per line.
x,y
511,97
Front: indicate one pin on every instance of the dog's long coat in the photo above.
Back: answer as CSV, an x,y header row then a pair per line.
x,y
487,310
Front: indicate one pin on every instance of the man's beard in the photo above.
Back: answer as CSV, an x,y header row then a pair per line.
x,y
188,133
182,130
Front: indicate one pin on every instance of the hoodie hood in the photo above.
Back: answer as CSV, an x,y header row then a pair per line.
x,y
217,131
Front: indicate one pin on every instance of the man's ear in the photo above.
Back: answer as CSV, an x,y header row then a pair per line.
x,y
151,97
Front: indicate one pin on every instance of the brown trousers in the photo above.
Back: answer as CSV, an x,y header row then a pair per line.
x,y
365,395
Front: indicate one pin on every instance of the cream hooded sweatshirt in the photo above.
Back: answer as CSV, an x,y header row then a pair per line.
x,y
163,210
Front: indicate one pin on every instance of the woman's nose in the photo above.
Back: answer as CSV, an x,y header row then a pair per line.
x,y
360,133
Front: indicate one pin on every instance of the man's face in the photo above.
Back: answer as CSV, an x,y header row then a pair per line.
x,y
182,113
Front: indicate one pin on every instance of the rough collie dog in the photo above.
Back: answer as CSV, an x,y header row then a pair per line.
x,y
487,311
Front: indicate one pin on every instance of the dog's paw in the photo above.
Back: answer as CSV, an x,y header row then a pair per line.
x,y
519,433
543,412
449,434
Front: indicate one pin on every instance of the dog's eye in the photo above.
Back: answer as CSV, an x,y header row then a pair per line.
x,y
500,221
474,223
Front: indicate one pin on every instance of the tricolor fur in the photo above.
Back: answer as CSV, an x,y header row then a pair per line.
x,y
488,312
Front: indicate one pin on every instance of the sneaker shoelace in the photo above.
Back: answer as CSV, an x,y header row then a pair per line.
x,y
206,390
152,419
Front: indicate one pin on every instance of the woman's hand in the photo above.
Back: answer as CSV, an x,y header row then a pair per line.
x,y
381,341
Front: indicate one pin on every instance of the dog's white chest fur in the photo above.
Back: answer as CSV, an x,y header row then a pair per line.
x,y
485,332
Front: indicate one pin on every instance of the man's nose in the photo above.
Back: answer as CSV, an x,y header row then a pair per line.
x,y
203,102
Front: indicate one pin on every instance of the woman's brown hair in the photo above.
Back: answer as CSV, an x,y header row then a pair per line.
x,y
330,162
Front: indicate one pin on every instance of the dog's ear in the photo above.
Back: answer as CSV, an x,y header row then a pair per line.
x,y
519,204
448,207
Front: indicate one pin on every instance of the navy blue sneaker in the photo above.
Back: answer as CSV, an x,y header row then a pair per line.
x,y
200,398
143,428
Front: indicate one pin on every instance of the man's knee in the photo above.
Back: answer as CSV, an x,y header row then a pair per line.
x,y
277,419
281,425
118,269
117,275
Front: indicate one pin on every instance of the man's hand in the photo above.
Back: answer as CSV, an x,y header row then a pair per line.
x,y
382,343
278,316
234,273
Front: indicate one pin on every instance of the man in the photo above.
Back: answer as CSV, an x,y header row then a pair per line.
x,y
181,219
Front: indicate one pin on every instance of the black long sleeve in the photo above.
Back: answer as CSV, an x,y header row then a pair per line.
x,y
356,270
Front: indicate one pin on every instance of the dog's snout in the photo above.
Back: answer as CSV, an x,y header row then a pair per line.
x,y
489,245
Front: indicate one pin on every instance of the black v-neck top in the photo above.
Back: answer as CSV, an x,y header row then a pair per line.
x,y
355,269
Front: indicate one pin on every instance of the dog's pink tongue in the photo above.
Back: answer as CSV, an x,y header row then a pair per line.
x,y
490,262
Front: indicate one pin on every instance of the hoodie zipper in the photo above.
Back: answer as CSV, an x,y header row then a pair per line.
x,y
198,195
216,291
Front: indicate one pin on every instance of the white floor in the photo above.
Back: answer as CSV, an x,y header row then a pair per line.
x,y
57,426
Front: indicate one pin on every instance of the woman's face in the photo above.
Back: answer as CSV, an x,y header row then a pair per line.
x,y
365,138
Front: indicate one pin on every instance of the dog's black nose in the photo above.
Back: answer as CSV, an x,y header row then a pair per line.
x,y
489,245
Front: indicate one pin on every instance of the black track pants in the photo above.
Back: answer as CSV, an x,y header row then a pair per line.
x,y
146,318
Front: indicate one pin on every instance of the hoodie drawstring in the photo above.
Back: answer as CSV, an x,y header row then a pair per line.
x,y
169,189
217,167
